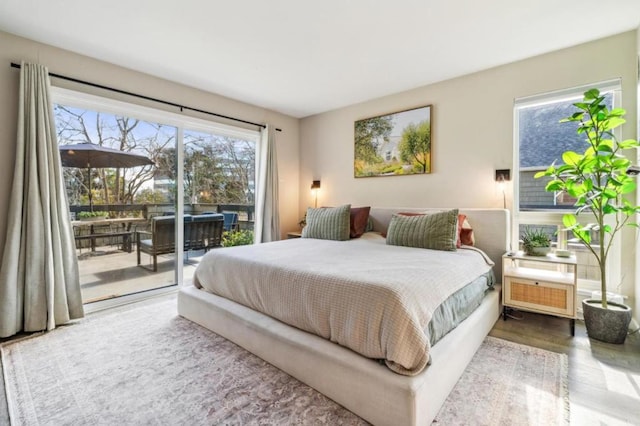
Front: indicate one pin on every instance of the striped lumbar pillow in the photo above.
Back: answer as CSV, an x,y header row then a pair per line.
x,y
437,231
328,223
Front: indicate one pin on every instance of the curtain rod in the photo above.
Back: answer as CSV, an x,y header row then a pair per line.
x,y
149,98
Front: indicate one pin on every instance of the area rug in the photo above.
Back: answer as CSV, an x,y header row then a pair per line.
x,y
510,384
145,365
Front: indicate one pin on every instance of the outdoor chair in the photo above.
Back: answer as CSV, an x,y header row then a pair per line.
x,y
230,221
201,232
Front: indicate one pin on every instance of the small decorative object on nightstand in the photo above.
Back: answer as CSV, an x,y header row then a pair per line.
x,y
294,235
542,284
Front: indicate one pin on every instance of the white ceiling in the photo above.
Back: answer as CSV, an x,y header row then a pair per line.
x,y
303,57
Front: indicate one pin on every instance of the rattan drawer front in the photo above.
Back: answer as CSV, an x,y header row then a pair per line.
x,y
539,295
545,297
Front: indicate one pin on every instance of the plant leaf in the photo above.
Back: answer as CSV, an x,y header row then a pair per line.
x,y
569,220
628,143
628,186
570,157
614,122
555,185
591,94
605,145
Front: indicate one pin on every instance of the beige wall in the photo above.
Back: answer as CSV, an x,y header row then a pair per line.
x,y
16,49
472,125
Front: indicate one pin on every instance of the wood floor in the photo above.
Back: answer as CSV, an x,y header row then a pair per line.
x,y
604,379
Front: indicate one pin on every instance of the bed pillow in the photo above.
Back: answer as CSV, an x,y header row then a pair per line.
x,y
359,218
328,223
465,232
436,231
465,235
369,225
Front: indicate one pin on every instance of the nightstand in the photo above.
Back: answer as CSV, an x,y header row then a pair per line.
x,y
541,284
294,235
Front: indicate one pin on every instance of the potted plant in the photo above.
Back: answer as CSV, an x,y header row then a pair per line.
x,y
237,238
92,215
536,242
599,181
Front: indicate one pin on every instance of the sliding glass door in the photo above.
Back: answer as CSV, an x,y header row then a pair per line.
x,y
219,179
115,187
135,177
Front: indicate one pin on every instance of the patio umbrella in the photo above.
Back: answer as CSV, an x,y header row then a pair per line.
x,y
95,156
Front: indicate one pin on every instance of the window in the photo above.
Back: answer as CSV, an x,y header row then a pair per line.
x,y
540,139
218,169
113,185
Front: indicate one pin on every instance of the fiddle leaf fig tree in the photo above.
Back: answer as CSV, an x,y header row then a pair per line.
x,y
597,178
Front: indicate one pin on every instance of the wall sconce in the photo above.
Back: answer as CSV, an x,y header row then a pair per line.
x,y
315,187
502,176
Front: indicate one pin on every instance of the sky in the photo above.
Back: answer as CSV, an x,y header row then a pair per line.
x,y
415,116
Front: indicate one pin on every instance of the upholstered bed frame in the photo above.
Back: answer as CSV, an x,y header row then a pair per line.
x,y
365,387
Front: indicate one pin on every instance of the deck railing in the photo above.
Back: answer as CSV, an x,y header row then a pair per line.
x,y
246,215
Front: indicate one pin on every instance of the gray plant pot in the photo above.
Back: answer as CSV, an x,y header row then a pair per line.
x,y
541,251
538,251
606,325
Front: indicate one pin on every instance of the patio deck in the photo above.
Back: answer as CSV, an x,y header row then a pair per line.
x,y
108,272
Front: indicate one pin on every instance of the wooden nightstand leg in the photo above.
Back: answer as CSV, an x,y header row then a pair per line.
x,y
573,327
504,313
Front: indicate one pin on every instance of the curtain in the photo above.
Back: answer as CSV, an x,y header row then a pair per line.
x,y
267,223
39,280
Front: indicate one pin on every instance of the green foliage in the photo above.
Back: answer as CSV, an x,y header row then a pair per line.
x,y
88,215
393,168
303,221
380,169
532,238
150,196
415,145
597,178
368,134
217,169
237,238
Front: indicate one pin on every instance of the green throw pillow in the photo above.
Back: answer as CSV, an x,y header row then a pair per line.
x,y
436,231
328,223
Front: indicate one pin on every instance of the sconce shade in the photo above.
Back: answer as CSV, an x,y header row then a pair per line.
x,y
633,170
503,175
315,186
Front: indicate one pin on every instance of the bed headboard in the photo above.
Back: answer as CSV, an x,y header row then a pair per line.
x,y
490,228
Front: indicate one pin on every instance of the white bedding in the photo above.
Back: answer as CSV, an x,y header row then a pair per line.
x,y
362,294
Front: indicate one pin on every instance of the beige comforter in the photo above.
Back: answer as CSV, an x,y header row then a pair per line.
x,y
362,294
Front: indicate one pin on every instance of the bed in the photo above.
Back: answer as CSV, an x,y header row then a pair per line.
x,y
361,384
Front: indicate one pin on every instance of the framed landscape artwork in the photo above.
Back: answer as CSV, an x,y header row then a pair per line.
x,y
394,144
